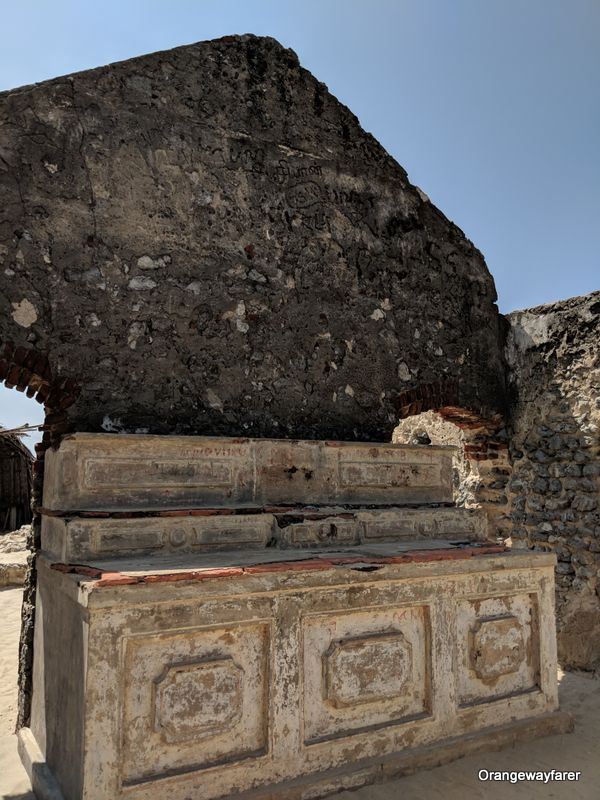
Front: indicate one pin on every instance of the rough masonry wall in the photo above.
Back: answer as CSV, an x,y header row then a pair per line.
x,y
554,361
205,241
481,465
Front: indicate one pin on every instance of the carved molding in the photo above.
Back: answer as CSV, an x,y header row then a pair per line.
x,y
367,669
497,646
196,699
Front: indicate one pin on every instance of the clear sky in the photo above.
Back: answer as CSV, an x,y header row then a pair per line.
x,y
492,106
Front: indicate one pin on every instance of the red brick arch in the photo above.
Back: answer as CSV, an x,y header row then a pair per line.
x,y
29,371
443,397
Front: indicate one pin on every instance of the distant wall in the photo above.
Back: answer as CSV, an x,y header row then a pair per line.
x,y
553,354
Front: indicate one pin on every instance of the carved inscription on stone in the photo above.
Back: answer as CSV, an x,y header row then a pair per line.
x,y
366,669
139,475
389,475
193,700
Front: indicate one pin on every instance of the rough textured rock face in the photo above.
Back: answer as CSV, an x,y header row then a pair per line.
x,y
554,490
205,241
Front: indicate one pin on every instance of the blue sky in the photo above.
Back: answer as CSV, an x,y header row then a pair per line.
x,y
492,106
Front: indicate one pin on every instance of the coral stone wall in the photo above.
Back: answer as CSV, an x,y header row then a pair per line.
x,y
204,240
554,359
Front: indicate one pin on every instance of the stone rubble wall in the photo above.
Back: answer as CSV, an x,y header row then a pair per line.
x,y
14,556
554,366
441,433
205,240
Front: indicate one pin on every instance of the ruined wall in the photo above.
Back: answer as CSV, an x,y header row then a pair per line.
x,y
554,361
481,465
440,432
205,241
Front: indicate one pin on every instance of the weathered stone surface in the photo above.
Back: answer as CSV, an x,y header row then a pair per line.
x,y
329,668
209,672
105,472
555,446
481,466
205,241
73,539
13,569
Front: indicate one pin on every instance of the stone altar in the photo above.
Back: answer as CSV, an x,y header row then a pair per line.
x,y
257,618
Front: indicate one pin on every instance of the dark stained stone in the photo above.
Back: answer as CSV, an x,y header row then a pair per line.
x,y
204,240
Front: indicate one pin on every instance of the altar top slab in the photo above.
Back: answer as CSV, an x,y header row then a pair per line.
x,y
102,582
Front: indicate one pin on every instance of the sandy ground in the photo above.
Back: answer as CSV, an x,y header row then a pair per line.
x,y
14,783
456,781
13,557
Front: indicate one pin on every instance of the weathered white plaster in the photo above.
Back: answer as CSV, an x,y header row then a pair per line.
x,y
204,629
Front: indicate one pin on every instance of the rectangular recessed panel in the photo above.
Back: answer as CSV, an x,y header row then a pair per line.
x,y
497,647
389,525
125,539
423,523
459,522
364,670
389,475
109,473
106,471
231,531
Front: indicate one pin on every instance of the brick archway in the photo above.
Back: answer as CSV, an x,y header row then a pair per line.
x,y
29,371
485,445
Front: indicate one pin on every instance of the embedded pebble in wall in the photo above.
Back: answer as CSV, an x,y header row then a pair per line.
x,y
24,313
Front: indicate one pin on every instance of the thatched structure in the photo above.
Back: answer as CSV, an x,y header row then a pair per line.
x,y
15,482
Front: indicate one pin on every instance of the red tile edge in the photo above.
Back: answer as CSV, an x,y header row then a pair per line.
x,y
290,566
193,575
104,579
